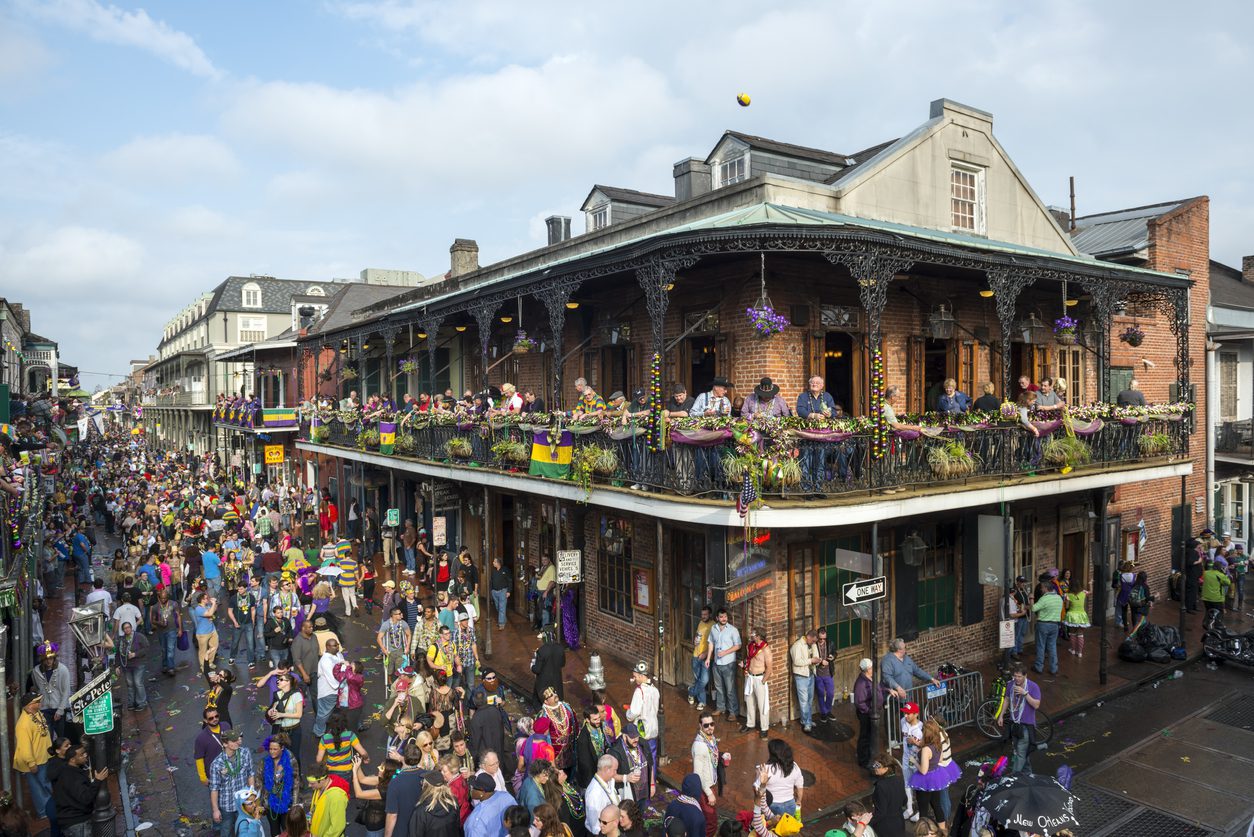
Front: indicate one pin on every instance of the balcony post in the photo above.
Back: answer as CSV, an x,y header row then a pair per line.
x,y
386,380
555,297
656,277
1006,287
1106,298
431,325
483,321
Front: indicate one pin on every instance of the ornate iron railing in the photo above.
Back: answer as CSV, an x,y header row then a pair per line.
x,y
826,468
1235,438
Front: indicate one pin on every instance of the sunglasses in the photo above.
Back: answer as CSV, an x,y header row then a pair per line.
x,y
709,725
608,822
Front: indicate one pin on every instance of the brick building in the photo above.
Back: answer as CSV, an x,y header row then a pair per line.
x,y
920,259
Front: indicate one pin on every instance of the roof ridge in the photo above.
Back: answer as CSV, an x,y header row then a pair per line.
x,y
1134,208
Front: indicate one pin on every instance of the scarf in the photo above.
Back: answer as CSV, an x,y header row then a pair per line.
x,y
278,782
597,736
752,651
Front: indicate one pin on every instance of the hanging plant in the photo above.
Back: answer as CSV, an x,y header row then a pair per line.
x,y
348,374
408,366
1065,330
523,343
1133,335
512,452
762,315
368,439
1154,444
1066,452
459,447
406,444
782,472
325,374
319,434
951,460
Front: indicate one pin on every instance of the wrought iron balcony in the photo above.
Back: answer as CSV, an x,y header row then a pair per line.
x,y
712,463
1235,439
177,399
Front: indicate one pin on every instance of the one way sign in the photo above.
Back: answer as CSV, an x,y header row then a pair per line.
x,y
867,590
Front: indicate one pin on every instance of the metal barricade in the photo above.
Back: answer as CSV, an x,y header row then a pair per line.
x,y
954,703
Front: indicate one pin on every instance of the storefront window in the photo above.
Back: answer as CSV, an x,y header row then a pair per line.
x,y
844,627
937,581
614,568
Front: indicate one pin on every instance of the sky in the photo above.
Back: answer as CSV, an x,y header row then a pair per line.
x,y
149,151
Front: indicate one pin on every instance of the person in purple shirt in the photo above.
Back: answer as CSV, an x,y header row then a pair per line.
x,y
1020,708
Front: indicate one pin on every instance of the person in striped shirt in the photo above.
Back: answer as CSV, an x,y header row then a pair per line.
x,y
347,563
337,745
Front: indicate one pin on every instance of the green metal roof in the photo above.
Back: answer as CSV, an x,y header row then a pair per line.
x,y
771,214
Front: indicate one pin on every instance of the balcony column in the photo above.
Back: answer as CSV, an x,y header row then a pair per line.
x,y
555,297
656,277
1006,287
1106,297
483,321
387,382
1178,312
431,325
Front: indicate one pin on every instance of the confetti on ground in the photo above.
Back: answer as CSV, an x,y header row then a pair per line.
x,y
1185,759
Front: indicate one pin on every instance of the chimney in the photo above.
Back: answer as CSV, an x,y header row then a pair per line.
x,y
692,178
23,315
1247,269
463,257
1062,216
559,228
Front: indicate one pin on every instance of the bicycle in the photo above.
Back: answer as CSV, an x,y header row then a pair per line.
x,y
994,706
947,706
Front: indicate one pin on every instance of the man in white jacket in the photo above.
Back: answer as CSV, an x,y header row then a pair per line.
x,y
644,706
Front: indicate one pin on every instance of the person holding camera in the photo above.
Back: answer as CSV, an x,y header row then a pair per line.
x,y
824,682
1025,699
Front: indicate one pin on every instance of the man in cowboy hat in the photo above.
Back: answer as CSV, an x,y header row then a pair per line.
x,y
715,402
765,400
510,401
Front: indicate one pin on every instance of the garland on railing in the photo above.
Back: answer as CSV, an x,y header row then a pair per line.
x,y
657,417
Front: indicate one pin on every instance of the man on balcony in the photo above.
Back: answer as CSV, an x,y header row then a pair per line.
x,y
680,404
710,404
765,400
1132,396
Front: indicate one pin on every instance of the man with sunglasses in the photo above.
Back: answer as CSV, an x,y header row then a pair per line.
x,y
609,821
707,762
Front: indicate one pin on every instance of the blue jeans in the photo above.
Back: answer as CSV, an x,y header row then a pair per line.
x,y
168,640
1021,630
214,586
40,789
409,558
499,598
1046,647
781,808
805,697
825,689
244,637
725,699
82,571
135,685
1021,741
326,705
226,828
700,680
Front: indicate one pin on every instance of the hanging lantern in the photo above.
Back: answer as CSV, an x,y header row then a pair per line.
x,y
1033,330
913,550
942,323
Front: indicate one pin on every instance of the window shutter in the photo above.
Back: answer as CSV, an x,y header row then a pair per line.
x,y
914,375
972,590
906,598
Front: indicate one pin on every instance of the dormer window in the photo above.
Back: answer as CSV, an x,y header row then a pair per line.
x,y
966,199
733,170
252,295
599,217
315,290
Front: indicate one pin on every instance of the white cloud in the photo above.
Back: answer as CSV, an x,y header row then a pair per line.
x,y
73,259
22,57
202,222
173,158
112,25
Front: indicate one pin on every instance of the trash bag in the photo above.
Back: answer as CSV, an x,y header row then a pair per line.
x,y
1132,651
1171,635
1178,653
1159,655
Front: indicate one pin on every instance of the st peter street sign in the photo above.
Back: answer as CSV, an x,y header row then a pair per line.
x,y
866,590
92,691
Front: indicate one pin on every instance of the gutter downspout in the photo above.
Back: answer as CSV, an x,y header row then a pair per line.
x,y
1212,418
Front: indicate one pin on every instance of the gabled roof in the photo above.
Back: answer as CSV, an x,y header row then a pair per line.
x,y
859,159
1228,288
1122,232
787,149
351,297
631,196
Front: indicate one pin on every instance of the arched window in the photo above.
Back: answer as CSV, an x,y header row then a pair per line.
x,y
315,290
252,295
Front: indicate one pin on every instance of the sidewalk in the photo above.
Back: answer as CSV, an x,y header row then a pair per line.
x,y
827,758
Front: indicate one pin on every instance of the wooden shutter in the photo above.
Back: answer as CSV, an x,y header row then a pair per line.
x,y
914,375
972,589
906,599
1227,386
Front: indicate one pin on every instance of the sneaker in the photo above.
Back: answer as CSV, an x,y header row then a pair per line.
x,y
743,728
231,661
731,717
700,707
691,700
763,734
252,665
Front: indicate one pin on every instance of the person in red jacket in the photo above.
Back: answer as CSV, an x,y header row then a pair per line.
x,y
457,779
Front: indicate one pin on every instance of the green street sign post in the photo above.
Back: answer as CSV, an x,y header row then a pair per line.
x,y
393,518
98,716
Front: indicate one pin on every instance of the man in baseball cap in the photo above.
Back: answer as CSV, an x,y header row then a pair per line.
x,y
490,805
911,738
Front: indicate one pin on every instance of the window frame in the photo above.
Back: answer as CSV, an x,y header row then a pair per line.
x,y
741,162
937,605
253,289
251,319
595,222
978,219
615,577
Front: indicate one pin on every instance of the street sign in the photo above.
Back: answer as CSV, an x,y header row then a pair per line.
x,y
97,686
98,716
866,590
569,566
274,454
393,518
439,530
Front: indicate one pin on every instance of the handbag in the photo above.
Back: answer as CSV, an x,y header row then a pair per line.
x,y
183,642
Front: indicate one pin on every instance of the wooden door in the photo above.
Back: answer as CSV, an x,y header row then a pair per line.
x,y
688,596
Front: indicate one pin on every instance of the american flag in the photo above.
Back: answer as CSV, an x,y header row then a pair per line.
x,y
748,494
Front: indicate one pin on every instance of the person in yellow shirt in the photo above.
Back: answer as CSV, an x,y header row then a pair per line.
x,y
330,803
701,660
31,743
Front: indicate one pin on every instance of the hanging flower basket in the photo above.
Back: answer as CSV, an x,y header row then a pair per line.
x,y
1065,330
764,319
348,374
1132,335
523,343
408,366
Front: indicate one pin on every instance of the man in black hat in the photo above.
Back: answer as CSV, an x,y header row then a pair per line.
x,y
765,400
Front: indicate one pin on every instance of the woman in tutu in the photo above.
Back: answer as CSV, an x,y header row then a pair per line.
x,y
932,780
